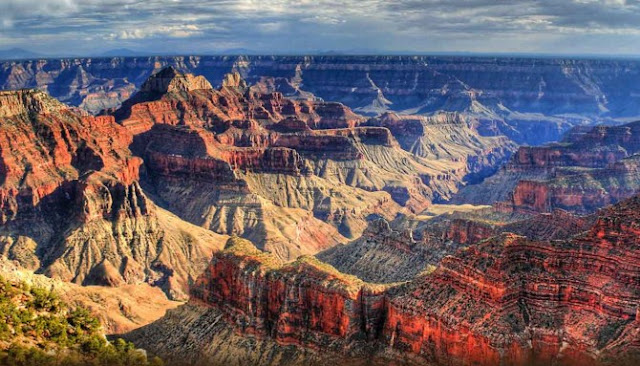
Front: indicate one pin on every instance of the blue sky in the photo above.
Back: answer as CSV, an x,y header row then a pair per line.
x,y
279,26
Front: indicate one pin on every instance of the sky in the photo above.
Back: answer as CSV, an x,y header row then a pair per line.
x,y
90,27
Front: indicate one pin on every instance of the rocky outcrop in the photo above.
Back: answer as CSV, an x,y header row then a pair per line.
x,y
334,301
304,303
507,300
589,169
170,80
72,208
580,191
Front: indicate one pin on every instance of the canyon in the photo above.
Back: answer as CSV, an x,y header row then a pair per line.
x,y
530,100
507,300
214,156
326,209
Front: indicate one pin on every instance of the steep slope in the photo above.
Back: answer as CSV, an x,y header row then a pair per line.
x,y
588,169
451,136
389,252
384,255
507,300
71,205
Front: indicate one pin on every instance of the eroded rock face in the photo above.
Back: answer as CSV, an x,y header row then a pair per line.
x,y
170,80
266,297
529,100
589,169
448,135
71,206
215,156
390,252
507,300
386,255
549,301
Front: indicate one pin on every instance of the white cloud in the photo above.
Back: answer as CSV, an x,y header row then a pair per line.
x,y
174,31
322,19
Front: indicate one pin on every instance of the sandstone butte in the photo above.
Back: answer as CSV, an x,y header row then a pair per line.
x,y
508,300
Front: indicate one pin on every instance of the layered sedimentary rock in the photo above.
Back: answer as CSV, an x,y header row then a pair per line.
x,y
294,176
452,136
507,300
385,255
590,168
529,100
72,208
560,300
396,251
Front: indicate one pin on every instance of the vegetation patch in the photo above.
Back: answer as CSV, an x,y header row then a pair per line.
x,y
37,328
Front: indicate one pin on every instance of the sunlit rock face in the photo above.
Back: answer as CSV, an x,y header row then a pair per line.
x,y
506,300
529,100
71,205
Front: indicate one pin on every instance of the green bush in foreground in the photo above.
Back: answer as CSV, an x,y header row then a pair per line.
x,y
37,328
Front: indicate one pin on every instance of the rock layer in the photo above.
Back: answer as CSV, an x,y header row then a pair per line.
x,y
527,99
590,168
71,205
507,300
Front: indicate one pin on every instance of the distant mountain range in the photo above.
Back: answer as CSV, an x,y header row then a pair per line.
x,y
17,54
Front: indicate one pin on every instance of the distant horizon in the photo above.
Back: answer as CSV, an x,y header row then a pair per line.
x,y
128,53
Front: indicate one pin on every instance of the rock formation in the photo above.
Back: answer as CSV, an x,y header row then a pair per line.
x,y
215,155
590,168
384,254
71,205
396,251
507,300
450,136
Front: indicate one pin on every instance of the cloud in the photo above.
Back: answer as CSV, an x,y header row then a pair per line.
x,y
308,25
322,19
175,31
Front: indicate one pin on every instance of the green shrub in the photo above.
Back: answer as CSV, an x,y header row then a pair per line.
x,y
37,320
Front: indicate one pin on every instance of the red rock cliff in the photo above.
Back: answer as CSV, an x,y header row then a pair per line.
x,y
507,300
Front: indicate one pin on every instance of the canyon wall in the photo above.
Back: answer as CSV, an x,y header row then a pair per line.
x,y
531,100
589,169
507,300
71,205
